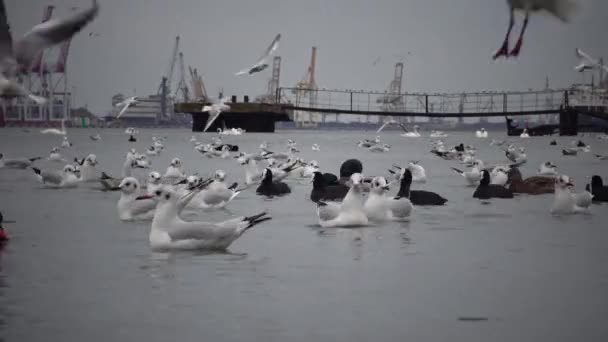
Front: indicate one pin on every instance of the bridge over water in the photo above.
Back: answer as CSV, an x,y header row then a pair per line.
x,y
290,102
568,103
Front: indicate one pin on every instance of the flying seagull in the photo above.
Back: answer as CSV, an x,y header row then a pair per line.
x,y
215,110
561,9
17,57
391,122
587,62
262,63
131,101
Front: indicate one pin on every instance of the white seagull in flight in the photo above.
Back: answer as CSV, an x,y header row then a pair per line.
x,y
561,9
17,57
587,62
262,63
131,101
215,110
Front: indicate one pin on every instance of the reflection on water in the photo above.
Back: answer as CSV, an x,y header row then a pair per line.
x,y
462,272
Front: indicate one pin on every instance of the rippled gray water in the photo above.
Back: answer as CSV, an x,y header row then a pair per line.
x,y
508,271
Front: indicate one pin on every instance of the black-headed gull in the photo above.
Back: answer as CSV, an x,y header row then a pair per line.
x,y
58,179
547,169
564,202
561,9
133,203
379,207
262,63
215,110
55,131
350,212
587,62
16,163
18,56
124,105
169,231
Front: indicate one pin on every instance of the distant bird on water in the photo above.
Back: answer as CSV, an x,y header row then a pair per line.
x,y
262,63
561,9
18,56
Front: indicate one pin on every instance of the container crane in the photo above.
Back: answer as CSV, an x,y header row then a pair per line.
x,y
182,86
169,75
273,83
307,86
198,87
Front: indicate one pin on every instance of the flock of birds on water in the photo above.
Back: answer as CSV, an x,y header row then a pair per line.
x,y
346,200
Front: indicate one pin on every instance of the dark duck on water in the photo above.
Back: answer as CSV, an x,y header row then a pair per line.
x,y
536,185
324,191
485,190
598,190
270,188
417,197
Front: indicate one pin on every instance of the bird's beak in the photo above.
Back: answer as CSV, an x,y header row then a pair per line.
x,y
387,188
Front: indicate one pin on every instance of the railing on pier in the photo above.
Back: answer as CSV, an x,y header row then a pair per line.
x,y
415,104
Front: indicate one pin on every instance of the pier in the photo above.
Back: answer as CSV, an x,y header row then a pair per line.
x,y
288,103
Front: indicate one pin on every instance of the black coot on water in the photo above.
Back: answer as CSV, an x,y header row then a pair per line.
x,y
322,190
418,197
270,188
485,190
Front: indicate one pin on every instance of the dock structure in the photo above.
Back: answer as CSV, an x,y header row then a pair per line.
x,y
569,104
250,116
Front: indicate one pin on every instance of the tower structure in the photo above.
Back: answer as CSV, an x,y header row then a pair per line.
x,y
273,83
393,100
306,92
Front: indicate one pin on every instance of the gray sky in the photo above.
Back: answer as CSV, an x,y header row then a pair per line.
x,y
451,43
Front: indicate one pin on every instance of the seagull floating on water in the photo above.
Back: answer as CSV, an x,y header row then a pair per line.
x,y
133,204
16,163
378,207
58,179
55,131
349,213
169,231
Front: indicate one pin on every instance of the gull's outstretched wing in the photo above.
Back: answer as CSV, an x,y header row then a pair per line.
x,y
383,126
123,110
52,32
583,67
243,72
213,115
270,50
585,57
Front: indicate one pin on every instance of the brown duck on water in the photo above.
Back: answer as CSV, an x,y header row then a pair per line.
x,y
536,185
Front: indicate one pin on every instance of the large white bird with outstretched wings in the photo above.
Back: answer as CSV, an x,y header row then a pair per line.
x,y
262,63
587,62
17,57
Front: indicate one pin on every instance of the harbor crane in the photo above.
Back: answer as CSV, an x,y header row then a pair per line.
x,y
182,86
169,75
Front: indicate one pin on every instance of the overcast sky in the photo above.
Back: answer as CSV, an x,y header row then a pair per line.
x,y
450,44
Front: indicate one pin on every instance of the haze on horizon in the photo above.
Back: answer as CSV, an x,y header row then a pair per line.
x,y
447,46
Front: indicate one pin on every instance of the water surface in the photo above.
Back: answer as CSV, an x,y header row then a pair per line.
x,y
508,271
